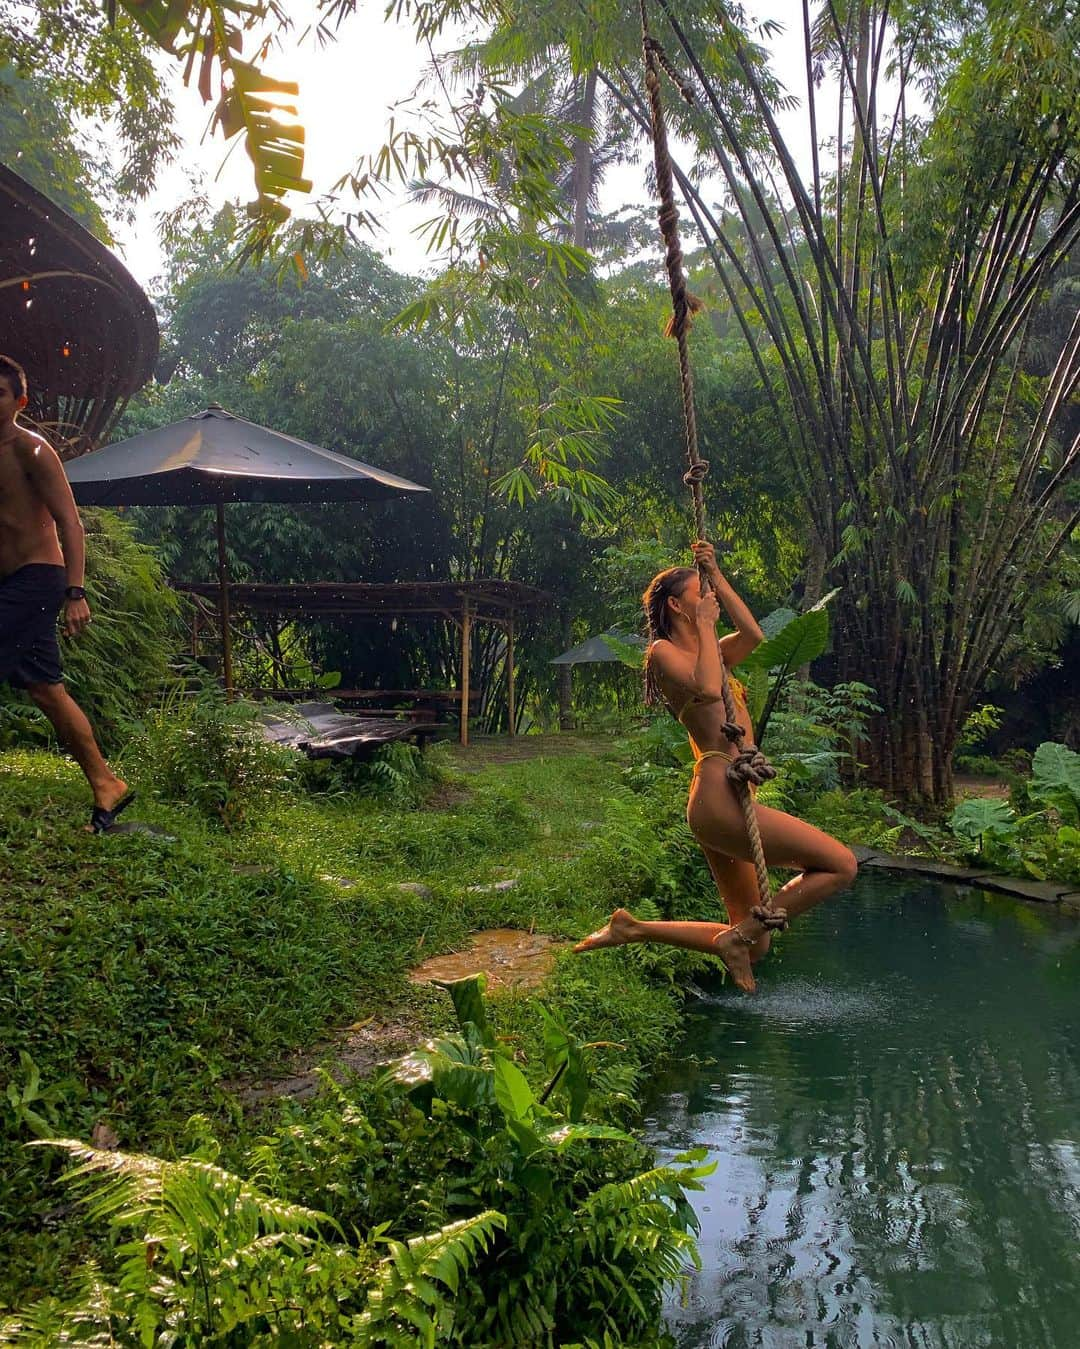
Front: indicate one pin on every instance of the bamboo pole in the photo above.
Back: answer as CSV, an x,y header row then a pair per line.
x,y
511,710
466,642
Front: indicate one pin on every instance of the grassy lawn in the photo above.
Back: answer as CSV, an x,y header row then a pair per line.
x,y
141,977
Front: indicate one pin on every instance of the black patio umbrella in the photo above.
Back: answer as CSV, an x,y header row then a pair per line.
x,y
595,649
213,458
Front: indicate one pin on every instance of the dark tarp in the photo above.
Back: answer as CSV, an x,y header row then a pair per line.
x,y
320,731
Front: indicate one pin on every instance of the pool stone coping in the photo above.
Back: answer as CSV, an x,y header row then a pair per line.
x,y
1043,892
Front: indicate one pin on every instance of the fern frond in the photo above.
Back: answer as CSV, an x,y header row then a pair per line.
x,y
188,1196
403,1289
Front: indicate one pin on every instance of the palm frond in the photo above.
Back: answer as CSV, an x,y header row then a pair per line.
x,y
423,191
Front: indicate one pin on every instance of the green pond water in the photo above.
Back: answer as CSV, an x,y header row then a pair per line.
x,y
896,1122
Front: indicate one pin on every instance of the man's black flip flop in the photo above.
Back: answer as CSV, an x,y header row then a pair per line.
x,y
102,820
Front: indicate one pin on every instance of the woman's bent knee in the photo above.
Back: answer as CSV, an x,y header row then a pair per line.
x,y
847,867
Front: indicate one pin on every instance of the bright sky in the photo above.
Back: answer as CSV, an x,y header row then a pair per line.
x,y
346,91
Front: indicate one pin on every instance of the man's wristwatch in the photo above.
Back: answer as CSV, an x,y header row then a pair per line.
x,y
74,593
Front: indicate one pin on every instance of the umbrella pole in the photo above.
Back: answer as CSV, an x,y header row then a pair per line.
x,y
223,603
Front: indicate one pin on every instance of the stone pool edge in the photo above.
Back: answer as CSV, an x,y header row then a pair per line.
x,y
1043,892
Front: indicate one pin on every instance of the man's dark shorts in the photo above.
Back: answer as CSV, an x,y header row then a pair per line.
x,y
30,600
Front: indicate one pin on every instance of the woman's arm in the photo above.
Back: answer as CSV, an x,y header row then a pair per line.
x,y
700,675
747,635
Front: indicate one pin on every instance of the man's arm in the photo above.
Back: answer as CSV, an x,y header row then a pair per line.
x,y
42,466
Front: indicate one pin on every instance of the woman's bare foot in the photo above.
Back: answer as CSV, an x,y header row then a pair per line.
x,y
732,950
621,927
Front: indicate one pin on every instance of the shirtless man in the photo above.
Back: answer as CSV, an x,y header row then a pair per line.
x,y
42,554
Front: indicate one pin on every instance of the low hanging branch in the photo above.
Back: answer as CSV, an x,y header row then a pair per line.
x,y
208,37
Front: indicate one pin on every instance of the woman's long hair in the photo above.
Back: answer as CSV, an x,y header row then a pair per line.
x,y
660,589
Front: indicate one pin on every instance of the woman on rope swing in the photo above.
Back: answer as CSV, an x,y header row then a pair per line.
x,y
683,669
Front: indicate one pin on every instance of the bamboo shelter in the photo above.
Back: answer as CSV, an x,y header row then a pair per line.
x,y
463,603
73,315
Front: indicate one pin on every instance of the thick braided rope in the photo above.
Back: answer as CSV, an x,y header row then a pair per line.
x,y
749,765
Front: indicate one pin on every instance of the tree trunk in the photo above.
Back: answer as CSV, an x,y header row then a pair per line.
x,y
583,156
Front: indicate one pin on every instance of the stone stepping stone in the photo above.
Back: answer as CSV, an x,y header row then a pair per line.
x,y
494,887
415,888
139,827
340,882
1046,892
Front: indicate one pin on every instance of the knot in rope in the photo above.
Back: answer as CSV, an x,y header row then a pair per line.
x,y
772,920
750,766
655,49
733,732
696,472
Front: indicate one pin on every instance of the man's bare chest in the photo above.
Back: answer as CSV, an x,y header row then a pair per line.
x,y
17,495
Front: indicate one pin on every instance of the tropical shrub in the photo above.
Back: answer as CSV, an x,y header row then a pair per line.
x,y
978,725
817,733
199,749
532,1224
1044,841
397,774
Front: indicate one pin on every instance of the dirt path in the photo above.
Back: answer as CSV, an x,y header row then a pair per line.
x,y
510,958
964,785
499,749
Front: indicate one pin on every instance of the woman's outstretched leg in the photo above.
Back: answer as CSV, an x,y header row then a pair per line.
x,y
622,928
736,882
825,866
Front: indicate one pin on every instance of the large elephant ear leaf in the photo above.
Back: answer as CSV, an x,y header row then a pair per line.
x,y
467,995
981,815
773,623
626,652
803,639
1055,777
